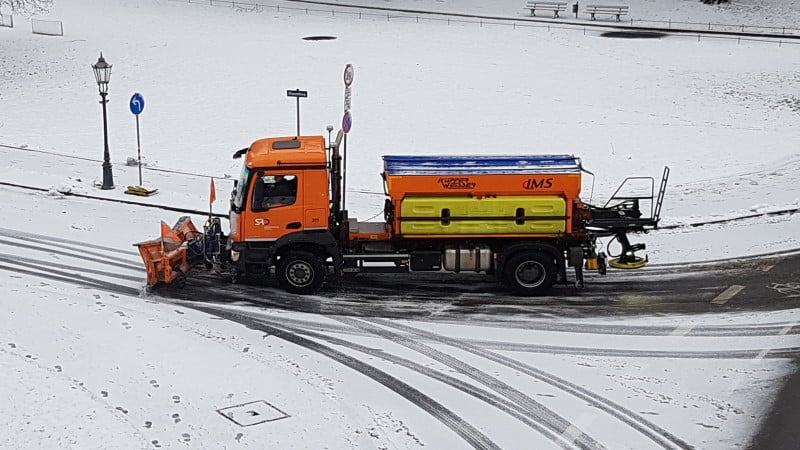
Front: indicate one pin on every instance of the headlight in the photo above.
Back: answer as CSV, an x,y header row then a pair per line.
x,y
234,256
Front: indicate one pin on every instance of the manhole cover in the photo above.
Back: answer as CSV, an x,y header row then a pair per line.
x,y
319,38
252,413
634,34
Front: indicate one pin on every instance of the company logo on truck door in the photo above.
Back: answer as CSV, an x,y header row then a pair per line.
x,y
456,183
538,183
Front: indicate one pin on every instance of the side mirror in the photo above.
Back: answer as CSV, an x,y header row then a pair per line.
x,y
238,154
233,198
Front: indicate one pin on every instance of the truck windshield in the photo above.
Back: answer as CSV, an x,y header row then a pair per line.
x,y
241,189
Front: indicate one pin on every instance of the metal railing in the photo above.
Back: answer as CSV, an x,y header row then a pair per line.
x,y
394,15
718,27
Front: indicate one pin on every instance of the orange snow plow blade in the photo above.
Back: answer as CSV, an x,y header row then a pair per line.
x,y
167,259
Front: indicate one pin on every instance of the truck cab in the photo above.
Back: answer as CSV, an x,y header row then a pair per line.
x,y
283,189
280,202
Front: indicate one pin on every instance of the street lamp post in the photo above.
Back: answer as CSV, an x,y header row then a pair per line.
x,y
102,73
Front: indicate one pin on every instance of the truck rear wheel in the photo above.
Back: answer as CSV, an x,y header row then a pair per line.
x,y
530,273
300,272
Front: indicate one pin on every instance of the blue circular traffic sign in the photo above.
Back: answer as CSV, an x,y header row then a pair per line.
x,y
347,122
137,103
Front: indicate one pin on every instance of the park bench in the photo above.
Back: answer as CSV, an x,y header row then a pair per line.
x,y
614,10
556,7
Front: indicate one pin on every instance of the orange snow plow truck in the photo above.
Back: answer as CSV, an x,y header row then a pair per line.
x,y
517,218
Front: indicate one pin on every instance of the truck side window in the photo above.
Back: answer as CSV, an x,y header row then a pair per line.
x,y
271,191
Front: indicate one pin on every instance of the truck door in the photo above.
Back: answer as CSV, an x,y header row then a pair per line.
x,y
276,207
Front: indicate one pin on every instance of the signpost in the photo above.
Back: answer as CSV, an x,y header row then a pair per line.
x,y
347,119
298,94
137,106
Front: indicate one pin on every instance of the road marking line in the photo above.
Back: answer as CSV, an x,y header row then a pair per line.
x,y
768,267
790,289
761,354
682,330
727,294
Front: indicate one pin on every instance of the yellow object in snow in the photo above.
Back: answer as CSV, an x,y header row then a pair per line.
x,y
637,263
138,190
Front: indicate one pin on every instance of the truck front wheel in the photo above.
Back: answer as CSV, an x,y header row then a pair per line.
x,y
300,272
530,273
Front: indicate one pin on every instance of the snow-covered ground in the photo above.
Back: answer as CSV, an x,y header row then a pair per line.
x,y
87,368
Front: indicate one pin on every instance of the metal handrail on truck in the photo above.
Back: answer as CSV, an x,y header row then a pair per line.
x,y
622,214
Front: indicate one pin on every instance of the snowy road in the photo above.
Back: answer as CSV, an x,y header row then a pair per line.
x,y
758,283
615,366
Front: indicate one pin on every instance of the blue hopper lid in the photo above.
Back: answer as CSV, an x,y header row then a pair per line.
x,y
476,165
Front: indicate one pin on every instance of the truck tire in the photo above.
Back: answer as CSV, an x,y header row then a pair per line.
x,y
300,272
530,273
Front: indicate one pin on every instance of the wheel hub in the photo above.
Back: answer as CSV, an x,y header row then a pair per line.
x,y
530,274
299,274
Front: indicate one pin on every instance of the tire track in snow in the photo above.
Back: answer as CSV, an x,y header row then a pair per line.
x,y
465,430
760,330
47,265
789,352
71,278
557,425
734,331
272,297
103,260
484,395
349,304
654,432
24,234
80,280
82,248
306,328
